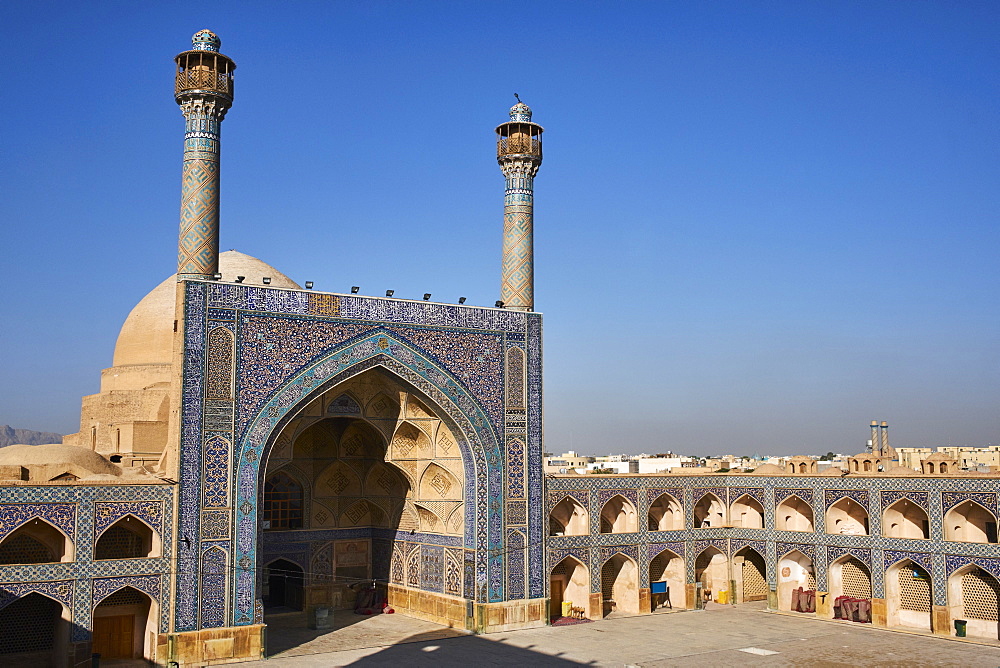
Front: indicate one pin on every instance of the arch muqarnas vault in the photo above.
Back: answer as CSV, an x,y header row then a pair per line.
x,y
256,358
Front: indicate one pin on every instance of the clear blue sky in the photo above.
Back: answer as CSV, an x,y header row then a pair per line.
x,y
759,225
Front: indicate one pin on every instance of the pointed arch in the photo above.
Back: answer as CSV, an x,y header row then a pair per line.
x,y
130,537
711,572
618,515
796,574
905,519
667,567
665,514
569,580
850,577
429,520
620,585
345,404
847,516
113,641
43,625
747,512
709,511
908,595
970,522
438,484
36,541
794,514
338,479
465,416
974,595
569,517
750,574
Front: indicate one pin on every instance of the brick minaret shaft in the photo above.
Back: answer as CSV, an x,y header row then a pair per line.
x,y
519,152
204,90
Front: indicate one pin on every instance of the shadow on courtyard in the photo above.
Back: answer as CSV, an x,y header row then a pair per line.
x,y
288,634
424,650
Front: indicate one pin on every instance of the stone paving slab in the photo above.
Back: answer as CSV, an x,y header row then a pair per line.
x,y
718,638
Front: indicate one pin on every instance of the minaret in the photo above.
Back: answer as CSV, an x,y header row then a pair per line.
x,y
204,90
519,152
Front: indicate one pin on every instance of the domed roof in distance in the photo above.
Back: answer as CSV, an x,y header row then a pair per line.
x,y
771,469
147,335
47,461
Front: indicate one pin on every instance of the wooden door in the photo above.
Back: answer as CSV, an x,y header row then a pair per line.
x,y
113,636
555,603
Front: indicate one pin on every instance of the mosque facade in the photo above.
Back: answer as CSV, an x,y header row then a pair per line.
x,y
257,445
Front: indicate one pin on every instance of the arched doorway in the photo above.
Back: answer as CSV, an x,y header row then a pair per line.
x,y
569,581
908,595
283,588
750,574
850,582
711,572
43,632
620,585
795,572
973,595
125,625
668,568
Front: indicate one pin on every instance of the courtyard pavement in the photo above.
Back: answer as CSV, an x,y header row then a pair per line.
x,y
721,636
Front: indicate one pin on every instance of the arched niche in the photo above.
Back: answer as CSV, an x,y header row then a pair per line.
x,y
42,637
793,514
620,585
667,567
795,570
410,442
973,595
750,576
710,571
905,519
618,516
848,576
969,522
338,479
908,595
848,517
709,511
569,581
665,514
125,625
439,484
128,538
36,542
569,518
747,512
283,582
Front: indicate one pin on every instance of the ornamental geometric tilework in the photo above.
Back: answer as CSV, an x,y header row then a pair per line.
x,y
216,474
60,515
515,379
219,384
104,587
106,514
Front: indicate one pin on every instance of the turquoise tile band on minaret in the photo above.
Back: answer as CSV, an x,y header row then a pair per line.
x,y
204,90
